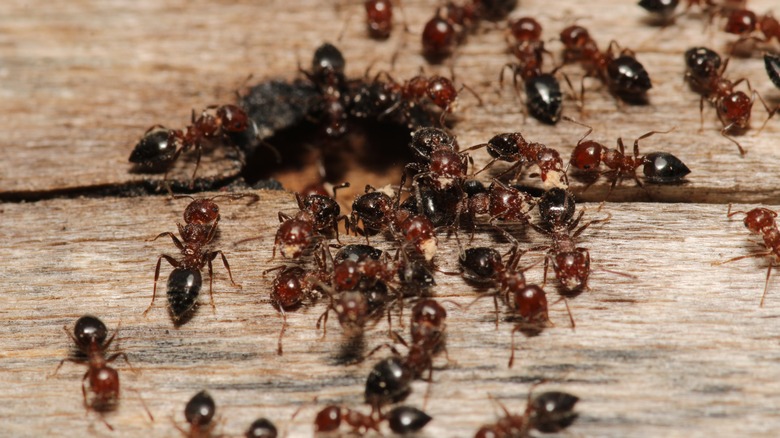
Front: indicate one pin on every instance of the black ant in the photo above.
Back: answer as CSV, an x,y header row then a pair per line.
x,y
548,412
390,379
160,146
732,107
511,147
624,75
89,335
327,74
664,10
201,218
261,428
199,413
542,90
401,420
588,155
761,221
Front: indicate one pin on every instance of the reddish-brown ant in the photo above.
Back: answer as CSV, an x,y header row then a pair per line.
x,y
89,335
749,26
201,218
542,90
199,413
761,221
379,17
732,107
589,155
547,412
624,75
160,146
327,74
513,148
401,420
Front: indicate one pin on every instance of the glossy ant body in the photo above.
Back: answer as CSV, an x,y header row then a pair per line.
x,y
327,74
542,90
761,221
750,26
201,218
401,420
199,413
261,428
588,155
513,148
160,147
706,76
624,75
772,64
89,335
547,412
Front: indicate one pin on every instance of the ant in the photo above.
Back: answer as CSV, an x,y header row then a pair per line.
x,y
760,221
732,107
379,17
89,335
327,74
160,146
542,90
261,428
589,155
664,10
548,412
199,413
401,420
749,26
513,148
201,218
622,72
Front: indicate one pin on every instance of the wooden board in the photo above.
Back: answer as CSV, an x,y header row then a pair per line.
x,y
683,349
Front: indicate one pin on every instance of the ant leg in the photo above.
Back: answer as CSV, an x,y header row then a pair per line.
x,y
281,332
173,263
199,149
62,362
474,93
175,239
512,355
324,320
213,255
766,284
749,256
115,356
84,389
731,139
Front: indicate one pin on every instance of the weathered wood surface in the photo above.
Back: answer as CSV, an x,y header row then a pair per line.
x,y
682,350
81,83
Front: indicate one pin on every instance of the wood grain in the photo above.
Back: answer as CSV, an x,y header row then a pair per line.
x,y
681,350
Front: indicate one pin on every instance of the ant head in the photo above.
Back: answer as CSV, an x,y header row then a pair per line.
x,y
572,269
741,21
429,311
379,15
287,290
346,275
352,308
200,409
735,109
420,232
373,208
556,207
328,419
438,37
262,428
531,303
442,92
480,264
324,209
525,29
90,330
574,36
156,150
406,419
294,237
201,211
758,219
552,411
233,118
587,155
426,140
327,58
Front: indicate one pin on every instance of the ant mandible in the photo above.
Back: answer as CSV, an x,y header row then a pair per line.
x,y
160,147
760,221
201,218
89,335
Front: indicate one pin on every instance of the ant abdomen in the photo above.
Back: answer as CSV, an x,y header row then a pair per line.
x,y
155,151
664,168
406,419
772,64
479,264
183,288
628,77
553,411
544,98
